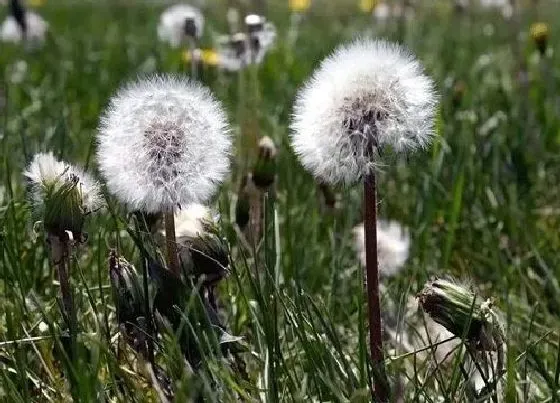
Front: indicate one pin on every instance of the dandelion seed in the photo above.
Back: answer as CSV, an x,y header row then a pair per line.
x,y
62,194
163,142
180,22
365,96
35,29
393,243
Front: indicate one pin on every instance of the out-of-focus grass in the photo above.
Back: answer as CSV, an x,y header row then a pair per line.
x,y
481,204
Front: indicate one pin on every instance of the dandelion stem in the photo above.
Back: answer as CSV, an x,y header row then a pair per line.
x,y
372,280
59,256
171,243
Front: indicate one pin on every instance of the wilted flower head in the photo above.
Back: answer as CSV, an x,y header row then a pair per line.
x,y
264,170
163,142
463,313
179,22
393,243
365,96
36,29
202,250
62,194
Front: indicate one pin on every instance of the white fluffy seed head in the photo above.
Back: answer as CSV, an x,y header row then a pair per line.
x,y
364,97
190,221
393,244
62,194
163,142
37,28
46,173
177,22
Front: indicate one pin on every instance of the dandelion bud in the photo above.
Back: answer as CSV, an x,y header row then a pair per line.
x,y
129,300
539,34
463,313
243,205
459,90
63,195
264,171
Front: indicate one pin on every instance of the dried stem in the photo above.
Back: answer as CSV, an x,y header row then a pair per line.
x,y
372,280
171,243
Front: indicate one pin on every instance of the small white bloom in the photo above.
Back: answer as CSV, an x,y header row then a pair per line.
x,y
189,221
179,22
382,12
163,142
37,27
365,96
47,173
43,327
393,243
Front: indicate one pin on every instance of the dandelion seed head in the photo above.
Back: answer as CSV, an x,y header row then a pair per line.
x,y
365,96
37,28
393,244
47,174
179,22
163,142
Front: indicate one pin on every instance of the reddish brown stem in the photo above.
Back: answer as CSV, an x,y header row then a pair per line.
x,y
171,243
380,392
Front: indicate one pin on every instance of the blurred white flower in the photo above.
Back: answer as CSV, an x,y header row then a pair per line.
x,y
240,50
383,12
189,221
179,22
367,95
43,327
163,142
62,194
503,6
393,243
37,28
17,71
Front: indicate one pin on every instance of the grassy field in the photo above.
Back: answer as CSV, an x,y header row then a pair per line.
x,y
481,205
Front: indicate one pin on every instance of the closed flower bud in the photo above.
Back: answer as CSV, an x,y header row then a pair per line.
x,y
463,313
264,171
128,298
243,205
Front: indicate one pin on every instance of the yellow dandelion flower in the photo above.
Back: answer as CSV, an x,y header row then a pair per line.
x,y
208,57
367,6
299,6
539,33
36,3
